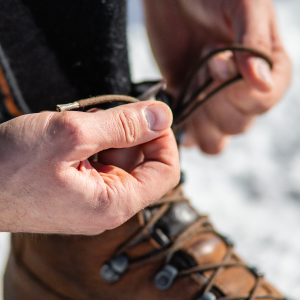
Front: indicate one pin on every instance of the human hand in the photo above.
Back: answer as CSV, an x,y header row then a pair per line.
x,y
48,185
182,31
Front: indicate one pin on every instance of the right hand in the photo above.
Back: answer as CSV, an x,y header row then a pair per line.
x,y
183,31
48,185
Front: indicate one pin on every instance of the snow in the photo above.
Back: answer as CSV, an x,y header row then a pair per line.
x,y
252,190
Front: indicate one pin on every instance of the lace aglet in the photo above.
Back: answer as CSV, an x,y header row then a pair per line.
x,y
68,106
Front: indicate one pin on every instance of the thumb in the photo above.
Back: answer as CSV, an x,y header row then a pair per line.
x,y
251,26
85,134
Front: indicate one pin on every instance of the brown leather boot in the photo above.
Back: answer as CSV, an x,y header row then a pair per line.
x,y
167,251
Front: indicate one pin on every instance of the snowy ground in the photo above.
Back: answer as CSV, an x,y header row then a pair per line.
x,y
252,190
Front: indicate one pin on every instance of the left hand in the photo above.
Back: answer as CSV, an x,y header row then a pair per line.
x,y
49,185
182,31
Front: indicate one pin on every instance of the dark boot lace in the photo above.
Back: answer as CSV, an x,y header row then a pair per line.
x,y
170,247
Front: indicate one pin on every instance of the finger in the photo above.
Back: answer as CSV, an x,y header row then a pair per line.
x,y
206,133
252,28
147,182
125,158
159,172
251,101
188,140
246,100
80,134
227,117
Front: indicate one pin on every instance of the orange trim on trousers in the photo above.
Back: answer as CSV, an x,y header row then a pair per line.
x,y
8,97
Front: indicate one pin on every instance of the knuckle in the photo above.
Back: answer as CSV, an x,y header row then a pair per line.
x,y
260,42
128,127
234,126
260,107
70,126
212,147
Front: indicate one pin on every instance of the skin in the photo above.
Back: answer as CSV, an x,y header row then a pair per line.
x,y
48,185
182,31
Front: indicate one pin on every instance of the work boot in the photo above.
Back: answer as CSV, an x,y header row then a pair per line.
x,y
166,251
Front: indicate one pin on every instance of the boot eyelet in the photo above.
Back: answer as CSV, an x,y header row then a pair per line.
x,y
161,238
164,279
113,269
207,296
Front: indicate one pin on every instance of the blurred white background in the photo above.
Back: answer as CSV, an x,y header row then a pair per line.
x,y
252,190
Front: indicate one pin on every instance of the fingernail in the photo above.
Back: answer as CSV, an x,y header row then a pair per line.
x,y
262,70
158,116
